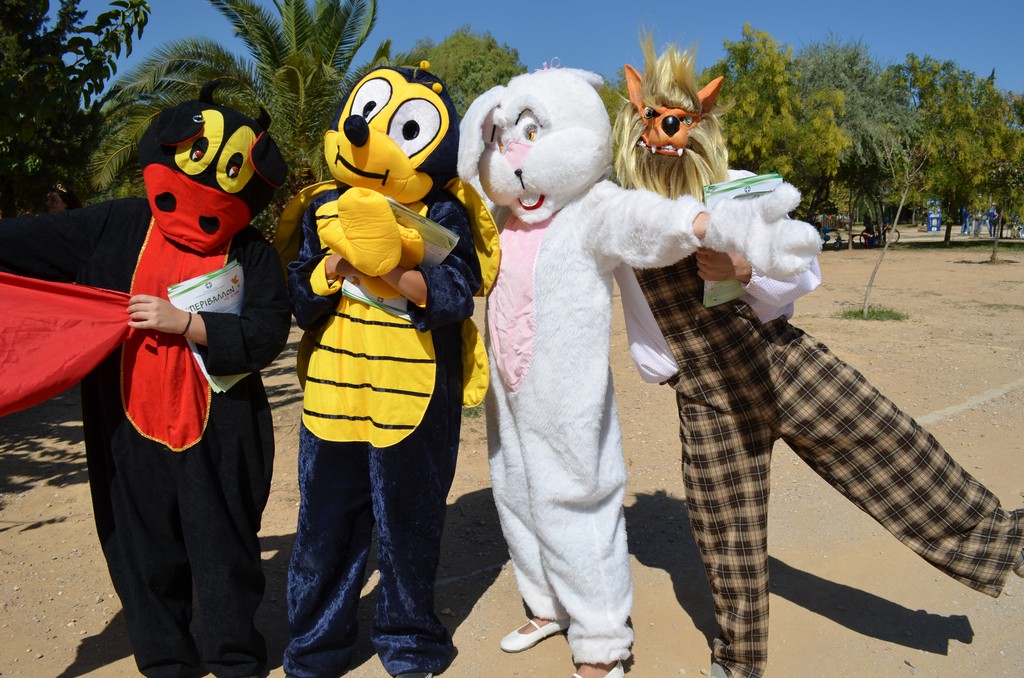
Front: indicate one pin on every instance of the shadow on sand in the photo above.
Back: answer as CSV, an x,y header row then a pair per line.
x,y
42,445
660,537
473,553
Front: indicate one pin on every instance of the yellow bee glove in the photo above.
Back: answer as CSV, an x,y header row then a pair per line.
x,y
361,227
412,247
412,256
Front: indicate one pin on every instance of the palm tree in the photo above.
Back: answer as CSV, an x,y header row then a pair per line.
x,y
299,64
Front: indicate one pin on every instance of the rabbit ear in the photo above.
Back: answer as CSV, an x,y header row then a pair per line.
x,y
473,137
593,79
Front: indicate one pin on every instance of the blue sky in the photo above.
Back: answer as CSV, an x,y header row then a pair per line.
x,y
602,36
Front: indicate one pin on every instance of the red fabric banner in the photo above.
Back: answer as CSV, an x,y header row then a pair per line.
x,y
52,335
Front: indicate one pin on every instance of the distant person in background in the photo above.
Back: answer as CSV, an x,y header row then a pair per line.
x,y
993,221
869,238
965,221
59,198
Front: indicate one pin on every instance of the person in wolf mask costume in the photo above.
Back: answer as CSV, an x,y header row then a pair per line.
x,y
745,377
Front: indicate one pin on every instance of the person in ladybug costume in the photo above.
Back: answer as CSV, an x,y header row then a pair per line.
x,y
179,472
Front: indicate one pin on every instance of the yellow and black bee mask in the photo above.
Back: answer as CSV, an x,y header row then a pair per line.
x,y
395,133
208,170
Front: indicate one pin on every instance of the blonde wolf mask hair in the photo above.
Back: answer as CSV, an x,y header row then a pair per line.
x,y
669,82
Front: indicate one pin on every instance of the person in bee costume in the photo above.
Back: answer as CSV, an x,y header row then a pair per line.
x,y
383,390
179,474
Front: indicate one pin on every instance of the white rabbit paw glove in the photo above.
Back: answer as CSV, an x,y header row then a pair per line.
x,y
759,229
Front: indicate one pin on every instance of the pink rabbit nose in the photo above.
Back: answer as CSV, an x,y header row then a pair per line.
x,y
516,152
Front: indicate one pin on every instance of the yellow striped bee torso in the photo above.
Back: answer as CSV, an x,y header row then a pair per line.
x,y
370,377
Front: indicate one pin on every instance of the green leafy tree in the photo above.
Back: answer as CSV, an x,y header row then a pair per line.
x,y
761,90
1007,172
1005,179
46,71
470,64
771,126
818,146
963,119
865,118
614,94
51,72
300,61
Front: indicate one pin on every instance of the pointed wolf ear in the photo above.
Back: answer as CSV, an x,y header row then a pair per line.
x,y
634,82
709,95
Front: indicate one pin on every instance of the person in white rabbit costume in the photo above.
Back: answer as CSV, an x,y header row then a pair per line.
x,y
540,149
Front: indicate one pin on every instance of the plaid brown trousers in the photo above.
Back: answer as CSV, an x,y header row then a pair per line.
x,y
742,386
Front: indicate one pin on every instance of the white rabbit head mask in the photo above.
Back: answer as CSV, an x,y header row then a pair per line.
x,y
537,143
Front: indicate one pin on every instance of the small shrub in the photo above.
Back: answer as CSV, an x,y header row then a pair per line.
x,y
874,313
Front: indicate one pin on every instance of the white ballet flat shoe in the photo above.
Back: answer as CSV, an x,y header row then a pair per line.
x,y
616,672
517,642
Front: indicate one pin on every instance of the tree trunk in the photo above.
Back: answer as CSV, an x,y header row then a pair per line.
x,y
849,221
881,255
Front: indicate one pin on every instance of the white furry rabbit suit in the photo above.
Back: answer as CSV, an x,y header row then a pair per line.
x,y
540,149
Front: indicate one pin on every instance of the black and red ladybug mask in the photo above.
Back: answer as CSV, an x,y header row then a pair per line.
x,y
208,171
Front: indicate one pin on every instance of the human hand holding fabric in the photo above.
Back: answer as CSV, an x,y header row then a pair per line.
x,y
147,312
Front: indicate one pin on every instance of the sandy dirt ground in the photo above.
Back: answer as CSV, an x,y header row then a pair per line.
x,y
848,599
